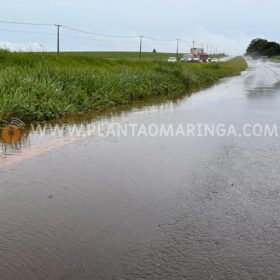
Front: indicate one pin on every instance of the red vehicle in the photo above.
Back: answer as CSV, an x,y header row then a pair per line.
x,y
204,57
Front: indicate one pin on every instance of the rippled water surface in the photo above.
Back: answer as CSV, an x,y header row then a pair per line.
x,y
149,207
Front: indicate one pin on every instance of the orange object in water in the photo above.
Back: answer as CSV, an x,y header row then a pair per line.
x,y
11,134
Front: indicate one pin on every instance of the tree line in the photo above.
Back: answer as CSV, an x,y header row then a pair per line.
x,y
262,47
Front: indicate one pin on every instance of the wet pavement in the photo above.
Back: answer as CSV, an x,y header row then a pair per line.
x,y
149,207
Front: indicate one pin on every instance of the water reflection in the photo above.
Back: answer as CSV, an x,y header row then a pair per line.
x,y
263,81
136,207
18,139
13,145
264,92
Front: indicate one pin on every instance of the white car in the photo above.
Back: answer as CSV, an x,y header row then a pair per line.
x,y
214,60
187,58
172,59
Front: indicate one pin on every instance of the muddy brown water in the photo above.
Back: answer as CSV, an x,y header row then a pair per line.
x,y
149,207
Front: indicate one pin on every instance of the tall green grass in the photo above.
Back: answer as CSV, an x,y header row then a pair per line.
x,y
275,58
126,55
37,86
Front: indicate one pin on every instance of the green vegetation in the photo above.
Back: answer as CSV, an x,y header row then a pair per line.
x,y
261,47
126,55
275,58
41,86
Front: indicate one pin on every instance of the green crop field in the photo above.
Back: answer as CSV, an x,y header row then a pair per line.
x,y
41,86
126,55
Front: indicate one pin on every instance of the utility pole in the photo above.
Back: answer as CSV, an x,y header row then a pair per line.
x,y
140,53
193,44
58,37
177,50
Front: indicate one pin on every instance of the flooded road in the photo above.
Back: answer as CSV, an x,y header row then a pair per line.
x,y
149,207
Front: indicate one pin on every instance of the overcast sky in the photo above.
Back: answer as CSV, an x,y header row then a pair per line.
x,y
228,25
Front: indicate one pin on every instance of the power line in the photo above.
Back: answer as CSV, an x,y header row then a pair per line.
x,y
53,33
59,26
24,31
96,34
93,39
26,23
189,43
161,40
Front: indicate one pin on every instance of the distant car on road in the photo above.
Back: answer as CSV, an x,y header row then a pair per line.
x,y
204,60
172,59
264,59
190,58
187,58
214,60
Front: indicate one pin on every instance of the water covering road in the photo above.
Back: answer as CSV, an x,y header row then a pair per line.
x,y
150,207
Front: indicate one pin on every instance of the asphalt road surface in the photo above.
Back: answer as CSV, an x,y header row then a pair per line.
x,y
136,207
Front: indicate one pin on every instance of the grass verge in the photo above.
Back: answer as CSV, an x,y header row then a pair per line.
x,y
37,87
275,58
